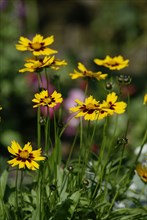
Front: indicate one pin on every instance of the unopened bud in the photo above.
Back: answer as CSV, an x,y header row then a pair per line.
x,y
108,85
122,141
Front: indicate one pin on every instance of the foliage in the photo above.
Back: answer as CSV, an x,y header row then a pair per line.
x,y
86,126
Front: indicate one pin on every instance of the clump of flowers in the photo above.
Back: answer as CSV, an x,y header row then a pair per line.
x,y
96,171
92,109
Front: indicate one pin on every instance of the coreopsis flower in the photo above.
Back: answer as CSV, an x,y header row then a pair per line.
x,y
38,45
142,172
111,106
83,72
88,109
24,157
44,99
33,65
113,63
145,99
57,63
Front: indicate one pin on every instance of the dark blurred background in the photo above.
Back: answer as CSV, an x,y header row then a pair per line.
x,y
83,30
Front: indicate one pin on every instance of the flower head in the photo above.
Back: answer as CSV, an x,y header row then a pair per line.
x,y
44,99
57,63
33,65
24,157
142,172
38,45
112,106
87,109
113,63
145,99
86,73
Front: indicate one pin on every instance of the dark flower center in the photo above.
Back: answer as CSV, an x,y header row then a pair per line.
x,y
36,46
24,155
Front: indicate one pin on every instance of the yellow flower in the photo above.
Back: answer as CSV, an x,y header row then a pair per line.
x,y
86,73
38,45
86,109
112,106
90,109
142,172
44,99
145,99
24,157
115,63
33,65
1,108
55,65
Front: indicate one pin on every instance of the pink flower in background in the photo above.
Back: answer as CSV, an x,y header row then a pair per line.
x,y
3,4
68,103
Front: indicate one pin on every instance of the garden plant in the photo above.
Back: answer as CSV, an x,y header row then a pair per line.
x,y
95,179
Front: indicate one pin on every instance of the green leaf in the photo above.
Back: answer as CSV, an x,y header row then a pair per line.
x,y
3,182
67,208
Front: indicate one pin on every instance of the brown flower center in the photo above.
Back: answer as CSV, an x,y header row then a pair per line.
x,y
24,154
36,46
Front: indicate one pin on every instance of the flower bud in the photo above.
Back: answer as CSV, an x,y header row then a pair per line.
x,y
124,79
85,182
108,85
122,141
42,120
70,168
52,187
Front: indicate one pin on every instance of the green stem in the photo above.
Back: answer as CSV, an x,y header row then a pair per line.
x,y
93,133
16,184
65,126
38,128
21,184
86,88
80,155
85,152
120,162
103,141
40,204
99,162
71,150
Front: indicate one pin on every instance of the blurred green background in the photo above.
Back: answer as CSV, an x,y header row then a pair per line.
x,y
83,30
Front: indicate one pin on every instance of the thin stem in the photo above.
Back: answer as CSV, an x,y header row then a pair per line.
x,y
65,126
93,133
38,128
40,205
104,140
120,162
71,150
86,88
98,185
81,144
16,184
